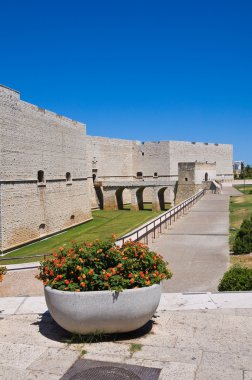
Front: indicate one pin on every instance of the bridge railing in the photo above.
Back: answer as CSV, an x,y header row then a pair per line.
x,y
152,229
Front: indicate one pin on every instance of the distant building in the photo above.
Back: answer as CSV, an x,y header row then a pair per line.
x,y
237,167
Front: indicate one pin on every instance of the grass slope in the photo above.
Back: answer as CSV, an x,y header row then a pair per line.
x,y
240,209
103,225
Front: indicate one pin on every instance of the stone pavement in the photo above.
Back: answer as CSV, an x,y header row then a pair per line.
x,y
191,337
196,246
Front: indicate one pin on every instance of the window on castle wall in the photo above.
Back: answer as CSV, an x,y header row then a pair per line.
x,y
155,174
41,176
186,179
142,153
42,227
139,174
68,178
72,217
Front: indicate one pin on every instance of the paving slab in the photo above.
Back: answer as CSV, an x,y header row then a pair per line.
x,y
9,305
55,361
19,355
185,344
247,375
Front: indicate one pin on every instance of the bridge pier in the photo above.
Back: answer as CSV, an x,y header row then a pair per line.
x,y
109,199
134,202
155,199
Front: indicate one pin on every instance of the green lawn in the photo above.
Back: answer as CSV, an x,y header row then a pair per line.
x,y
103,225
240,209
247,189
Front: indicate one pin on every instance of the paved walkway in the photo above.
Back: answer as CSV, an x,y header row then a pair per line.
x,y
191,337
196,246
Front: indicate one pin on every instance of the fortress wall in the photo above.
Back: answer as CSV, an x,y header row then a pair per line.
x,y
201,169
33,139
182,151
112,158
26,207
150,158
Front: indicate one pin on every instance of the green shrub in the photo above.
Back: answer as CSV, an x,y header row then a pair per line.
x,y
243,238
237,278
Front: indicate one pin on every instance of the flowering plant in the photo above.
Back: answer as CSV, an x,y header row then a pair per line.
x,y
102,265
3,270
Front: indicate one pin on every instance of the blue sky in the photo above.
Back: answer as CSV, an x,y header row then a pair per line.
x,y
145,70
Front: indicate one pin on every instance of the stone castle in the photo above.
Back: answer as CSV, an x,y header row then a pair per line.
x,y
52,174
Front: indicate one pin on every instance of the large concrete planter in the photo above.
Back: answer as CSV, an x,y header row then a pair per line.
x,y
103,311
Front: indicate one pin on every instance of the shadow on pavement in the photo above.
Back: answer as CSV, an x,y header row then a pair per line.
x,y
51,330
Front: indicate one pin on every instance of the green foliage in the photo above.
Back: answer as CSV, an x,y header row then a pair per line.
x,y
243,239
3,271
102,265
135,347
237,278
246,171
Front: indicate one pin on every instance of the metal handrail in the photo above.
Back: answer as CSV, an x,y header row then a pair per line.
x,y
144,231
152,226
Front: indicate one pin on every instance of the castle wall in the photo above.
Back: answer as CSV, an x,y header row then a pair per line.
x,y
222,154
151,158
33,139
110,158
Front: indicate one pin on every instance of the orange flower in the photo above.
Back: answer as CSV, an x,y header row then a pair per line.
x,y
83,284
66,282
91,272
77,290
147,282
130,275
132,280
78,267
51,273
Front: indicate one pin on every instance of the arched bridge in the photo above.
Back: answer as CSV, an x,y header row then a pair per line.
x,y
110,193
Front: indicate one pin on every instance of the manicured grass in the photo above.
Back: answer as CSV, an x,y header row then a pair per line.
x,y
103,225
246,190
240,209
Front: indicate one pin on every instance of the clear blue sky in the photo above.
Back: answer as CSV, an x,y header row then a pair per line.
x,y
145,70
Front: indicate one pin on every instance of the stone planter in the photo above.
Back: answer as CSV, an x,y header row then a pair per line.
x,y
103,311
